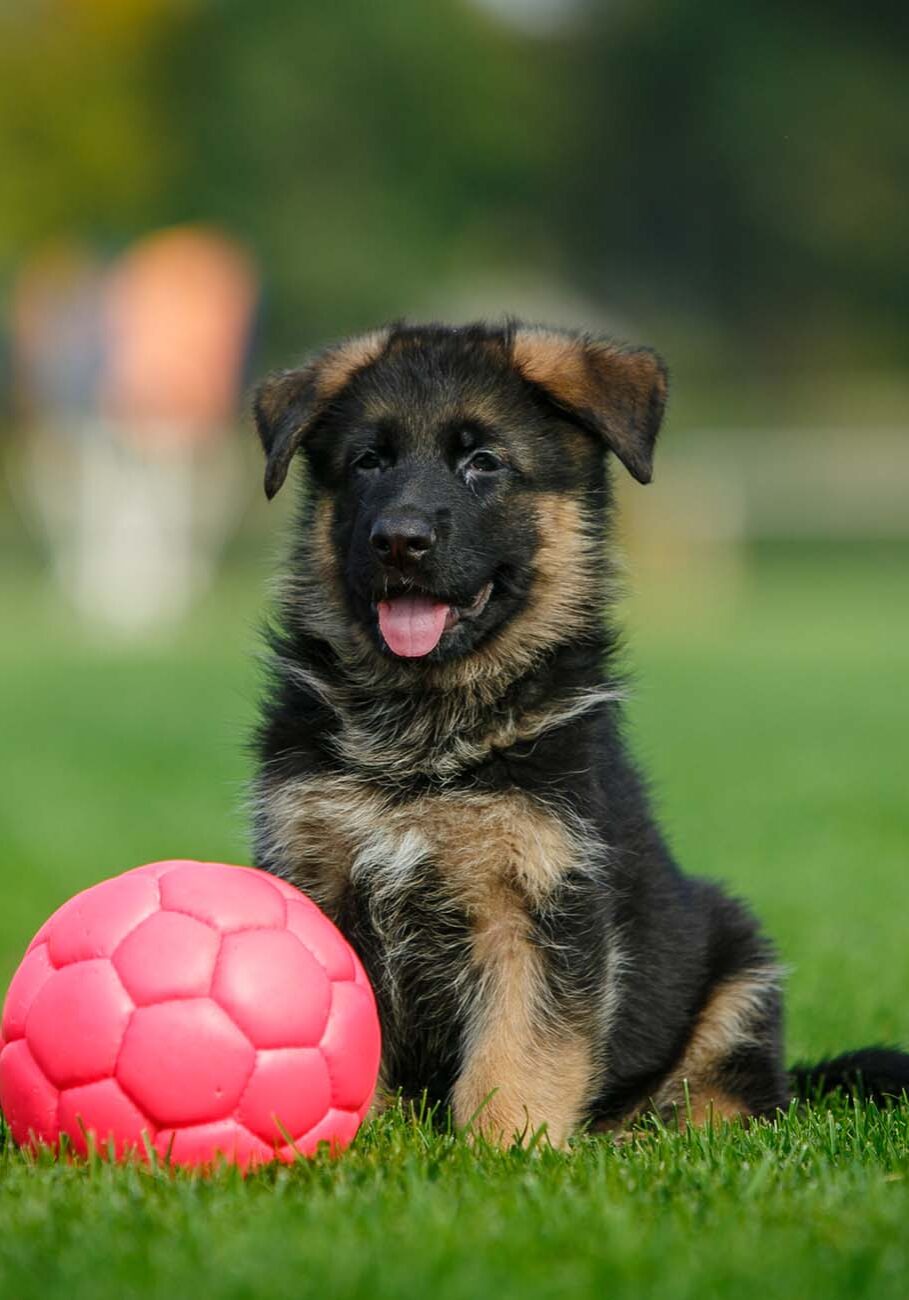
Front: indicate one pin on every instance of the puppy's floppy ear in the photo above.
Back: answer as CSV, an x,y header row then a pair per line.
x,y
288,403
614,391
285,406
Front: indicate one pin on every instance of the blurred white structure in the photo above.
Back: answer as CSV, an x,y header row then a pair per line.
x,y
130,381
735,485
716,492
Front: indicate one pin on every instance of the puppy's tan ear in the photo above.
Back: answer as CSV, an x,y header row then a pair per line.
x,y
614,391
288,403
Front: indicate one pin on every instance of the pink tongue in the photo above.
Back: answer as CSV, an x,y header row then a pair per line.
x,y
412,625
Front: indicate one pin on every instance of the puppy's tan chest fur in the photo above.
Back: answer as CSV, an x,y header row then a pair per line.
x,y
492,853
490,859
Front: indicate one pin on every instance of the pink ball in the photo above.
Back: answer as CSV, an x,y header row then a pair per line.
x,y
213,1009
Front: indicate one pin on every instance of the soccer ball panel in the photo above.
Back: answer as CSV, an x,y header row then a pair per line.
x,y
184,1062
104,1111
205,1144
351,1046
169,955
26,983
27,1097
272,988
338,1129
94,922
76,1023
326,944
288,1094
228,898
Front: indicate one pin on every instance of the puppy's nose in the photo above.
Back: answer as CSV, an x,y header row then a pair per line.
x,y
402,538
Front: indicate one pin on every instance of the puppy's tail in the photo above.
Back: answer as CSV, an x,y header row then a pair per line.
x,y
875,1074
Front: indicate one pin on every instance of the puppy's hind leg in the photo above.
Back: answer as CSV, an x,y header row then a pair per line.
x,y
731,1065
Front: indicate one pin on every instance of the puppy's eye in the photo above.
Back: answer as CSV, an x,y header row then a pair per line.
x,y
368,462
482,462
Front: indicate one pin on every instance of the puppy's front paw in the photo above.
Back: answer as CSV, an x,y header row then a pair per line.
x,y
503,1120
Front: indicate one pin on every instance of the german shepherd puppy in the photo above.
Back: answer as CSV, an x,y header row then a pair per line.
x,y
442,759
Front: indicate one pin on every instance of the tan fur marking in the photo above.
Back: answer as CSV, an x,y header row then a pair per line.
x,y
339,365
316,591
518,1075
556,362
583,373
691,1092
320,546
713,1106
699,1108
726,1022
567,555
490,841
564,592
316,826
487,847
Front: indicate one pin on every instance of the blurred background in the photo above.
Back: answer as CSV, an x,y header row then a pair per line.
x,y
194,191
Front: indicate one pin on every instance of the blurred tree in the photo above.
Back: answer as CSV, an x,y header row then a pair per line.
x,y
81,147
367,150
750,162
740,169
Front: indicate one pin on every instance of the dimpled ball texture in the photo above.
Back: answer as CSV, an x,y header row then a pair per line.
x,y
204,1010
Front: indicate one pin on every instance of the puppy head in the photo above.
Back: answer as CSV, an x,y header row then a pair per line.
x,y
456,480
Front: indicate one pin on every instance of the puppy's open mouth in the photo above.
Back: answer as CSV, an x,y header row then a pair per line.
x,y
414,622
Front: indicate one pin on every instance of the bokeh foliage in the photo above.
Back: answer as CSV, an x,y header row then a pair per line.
x,y
741,170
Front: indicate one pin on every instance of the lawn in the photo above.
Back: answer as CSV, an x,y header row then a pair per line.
x,y
772,710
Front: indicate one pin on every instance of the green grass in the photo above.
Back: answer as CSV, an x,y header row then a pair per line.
x,y
815,1207
772,711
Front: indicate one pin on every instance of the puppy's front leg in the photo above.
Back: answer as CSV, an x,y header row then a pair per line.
x,y
520,1068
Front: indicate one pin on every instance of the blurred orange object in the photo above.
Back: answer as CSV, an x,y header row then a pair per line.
x,y
179,316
